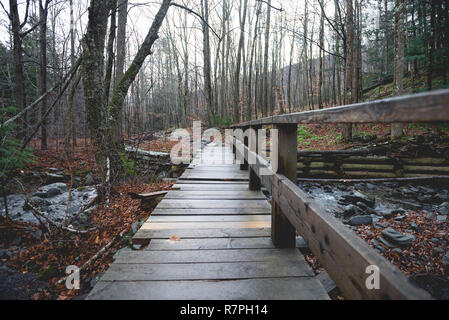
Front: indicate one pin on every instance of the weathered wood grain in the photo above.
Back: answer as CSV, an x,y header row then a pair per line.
x,y
212,211
299,288
212,244
422,107
209,256
206,271
144,236
205,225
212,204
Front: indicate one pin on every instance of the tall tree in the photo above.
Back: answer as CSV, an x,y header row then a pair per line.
x,y
207,60
43,13
349,49
399,37
243,9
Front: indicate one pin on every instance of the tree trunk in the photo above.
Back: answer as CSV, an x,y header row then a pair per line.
x,y
237,102
207,61
43,12
19,77
396,128
348,95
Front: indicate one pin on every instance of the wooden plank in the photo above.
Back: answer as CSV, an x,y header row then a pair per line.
x,y
209,256
212,204
144,236
211,244
220,211
147,196
219,182
213,218
211,187
206,271
301,288
216,195
422,107
205,225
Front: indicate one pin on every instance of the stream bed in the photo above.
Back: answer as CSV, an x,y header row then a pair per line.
x,y
407,223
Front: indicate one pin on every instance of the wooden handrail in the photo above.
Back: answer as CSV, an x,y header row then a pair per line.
x,y
422,107
343,254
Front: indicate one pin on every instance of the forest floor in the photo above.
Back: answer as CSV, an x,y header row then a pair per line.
x,y
33,261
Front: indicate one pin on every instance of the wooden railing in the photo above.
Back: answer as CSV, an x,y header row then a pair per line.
x,y
342,253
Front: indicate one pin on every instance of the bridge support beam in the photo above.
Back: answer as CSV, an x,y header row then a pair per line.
x,y
244,165
254,180
283,233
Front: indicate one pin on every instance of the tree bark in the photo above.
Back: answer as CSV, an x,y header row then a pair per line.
x,y
348,95
43,12
396,128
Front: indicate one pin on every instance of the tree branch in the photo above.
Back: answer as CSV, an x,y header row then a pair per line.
x,y
198,15
268,4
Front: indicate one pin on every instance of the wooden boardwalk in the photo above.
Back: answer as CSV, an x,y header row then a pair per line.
x,y
209,238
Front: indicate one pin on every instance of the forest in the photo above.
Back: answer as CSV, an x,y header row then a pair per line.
x,y
91,90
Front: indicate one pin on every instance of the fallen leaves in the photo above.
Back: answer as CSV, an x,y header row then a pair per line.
x,y
175,238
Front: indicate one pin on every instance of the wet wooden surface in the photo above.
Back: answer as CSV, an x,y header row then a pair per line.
x,y
209,238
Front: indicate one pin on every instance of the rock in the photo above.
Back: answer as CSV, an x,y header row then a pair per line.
x,y
397,250
377,245
2,253
135,227
415,227
350,210
302,245
382,225
438,250
431,215
136,247
37,234
388,213
386,243
443,210
52,192
360,220
40,194
441,219
434,240
52,177
446,259
403,240
358,196
328,284
89,179
399,218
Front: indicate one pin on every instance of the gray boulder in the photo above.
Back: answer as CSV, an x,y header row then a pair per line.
x,y
360,220
403,240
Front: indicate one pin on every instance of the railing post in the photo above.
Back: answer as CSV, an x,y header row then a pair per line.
x,y
244,165
234,149
283,233
254,180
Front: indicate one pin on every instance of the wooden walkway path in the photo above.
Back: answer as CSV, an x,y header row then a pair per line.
x,y
209,238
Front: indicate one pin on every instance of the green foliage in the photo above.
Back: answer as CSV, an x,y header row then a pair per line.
x,y
130,165
222,122
304,133
11,157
